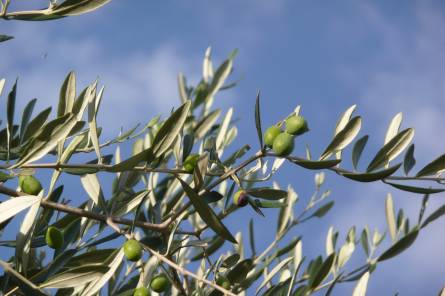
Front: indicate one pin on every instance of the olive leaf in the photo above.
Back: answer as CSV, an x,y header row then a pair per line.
x,y
371,177
343,138
15,205
4,38
48,138
26,116
170,129
400,246
206,213
75,277
267,193
434,216
258,119
357,150
391,149
362,284
415,189
435,167
316,165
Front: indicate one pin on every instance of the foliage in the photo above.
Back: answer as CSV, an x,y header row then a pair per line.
x,y
55,10
163,213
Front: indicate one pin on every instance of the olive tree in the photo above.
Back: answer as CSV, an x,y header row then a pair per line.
x,y
161,228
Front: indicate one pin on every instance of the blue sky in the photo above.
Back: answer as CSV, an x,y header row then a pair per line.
x,y
386,57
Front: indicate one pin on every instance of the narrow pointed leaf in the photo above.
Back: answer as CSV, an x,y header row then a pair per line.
x,y
390,216
393,128
206,213
128,164
75,277
343,138
316,165
67,95
399,246
362,285
371,177
26,116
434,216
273,272
267,193
357,150
323,272
48,139
409,161
392,149
170,129
415,189
206,124
258,119
437,166
15,205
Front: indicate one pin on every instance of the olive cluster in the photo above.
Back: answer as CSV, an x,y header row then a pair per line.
x,y
159,283
29,184
282,142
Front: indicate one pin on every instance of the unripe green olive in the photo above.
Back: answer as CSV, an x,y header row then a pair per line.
x,y
159,283
223,282
132,250
241,198
283,144
54,237
190,162
270,135
141,291
296,125
30,185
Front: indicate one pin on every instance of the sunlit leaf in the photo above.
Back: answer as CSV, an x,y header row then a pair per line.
x,y
75,276
362,285
15,205
170,129
393,128
391,149
390,216
343,138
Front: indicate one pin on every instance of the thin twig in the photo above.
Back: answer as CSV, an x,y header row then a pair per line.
x,y
83,213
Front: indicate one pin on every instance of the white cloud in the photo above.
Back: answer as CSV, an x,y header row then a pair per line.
x,y
138,84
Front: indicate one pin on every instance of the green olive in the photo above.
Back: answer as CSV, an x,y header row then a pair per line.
x,y
223,282
241,198
296,125
190,163
283,144
133,250
54,237
270,135
30,185
159,283
141,291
